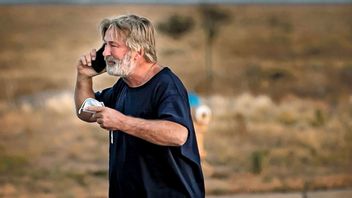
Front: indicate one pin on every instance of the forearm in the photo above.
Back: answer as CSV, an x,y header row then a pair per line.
x,y
83,90
159,132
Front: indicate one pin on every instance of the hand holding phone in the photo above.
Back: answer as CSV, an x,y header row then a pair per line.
x,y
99,63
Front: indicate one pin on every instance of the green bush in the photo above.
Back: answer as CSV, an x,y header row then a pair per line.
x,y
257,159
319,118
10,164
345,76
176,26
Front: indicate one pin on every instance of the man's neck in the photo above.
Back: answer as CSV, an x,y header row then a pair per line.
x,y
142,74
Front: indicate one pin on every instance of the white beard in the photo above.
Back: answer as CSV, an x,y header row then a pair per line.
x,y
121,68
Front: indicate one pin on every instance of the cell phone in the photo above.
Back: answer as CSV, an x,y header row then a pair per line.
x,y
99,63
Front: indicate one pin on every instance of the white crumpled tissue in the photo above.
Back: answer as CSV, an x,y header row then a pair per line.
x,y
88,103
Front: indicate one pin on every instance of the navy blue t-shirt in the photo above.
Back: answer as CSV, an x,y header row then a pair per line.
x,y
138,168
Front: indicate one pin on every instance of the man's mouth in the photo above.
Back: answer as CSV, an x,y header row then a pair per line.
x,y
111,62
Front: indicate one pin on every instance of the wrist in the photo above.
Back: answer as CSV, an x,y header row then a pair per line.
x,y
124,123
83,77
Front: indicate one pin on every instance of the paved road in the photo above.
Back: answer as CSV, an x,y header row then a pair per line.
x,y
318,194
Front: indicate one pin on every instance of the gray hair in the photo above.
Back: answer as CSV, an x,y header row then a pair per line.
x,y
137,33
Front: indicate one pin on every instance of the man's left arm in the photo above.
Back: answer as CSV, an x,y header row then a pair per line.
x,y
160,132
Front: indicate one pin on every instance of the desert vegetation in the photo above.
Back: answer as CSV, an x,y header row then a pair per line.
x,y
280,91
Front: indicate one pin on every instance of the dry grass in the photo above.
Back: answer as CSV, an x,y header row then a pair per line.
x,y
280,97
279,147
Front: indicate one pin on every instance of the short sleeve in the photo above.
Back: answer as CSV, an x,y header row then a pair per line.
x,y
108,96
174,108
104,96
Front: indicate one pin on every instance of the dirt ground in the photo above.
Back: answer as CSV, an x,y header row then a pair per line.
x,y
280,98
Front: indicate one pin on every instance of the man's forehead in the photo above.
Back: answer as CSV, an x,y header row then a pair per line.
x,y
114,35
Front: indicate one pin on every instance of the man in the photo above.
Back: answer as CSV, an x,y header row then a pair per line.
x,y
153,149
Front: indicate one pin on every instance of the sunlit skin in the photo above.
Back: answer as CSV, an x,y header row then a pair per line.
x,y
135,72
117,55
116,51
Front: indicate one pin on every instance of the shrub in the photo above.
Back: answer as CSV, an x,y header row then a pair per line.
x,y
257,159
345,76
176,26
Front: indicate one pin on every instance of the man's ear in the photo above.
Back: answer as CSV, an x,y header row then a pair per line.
x,y
139,54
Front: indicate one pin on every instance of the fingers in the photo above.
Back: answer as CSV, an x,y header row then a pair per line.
x,y
83,60
88,58
101,123
93,54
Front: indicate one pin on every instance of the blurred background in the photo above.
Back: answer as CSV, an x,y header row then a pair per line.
x,y
277,76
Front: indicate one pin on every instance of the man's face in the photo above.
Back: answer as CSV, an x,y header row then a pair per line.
x,y
117,55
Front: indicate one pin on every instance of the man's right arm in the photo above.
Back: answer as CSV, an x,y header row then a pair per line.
x,y
83,90
84,84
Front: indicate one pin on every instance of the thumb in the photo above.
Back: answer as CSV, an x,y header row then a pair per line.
x,y
95,108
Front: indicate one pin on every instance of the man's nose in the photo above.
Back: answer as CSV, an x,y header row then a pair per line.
x,y
106,51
